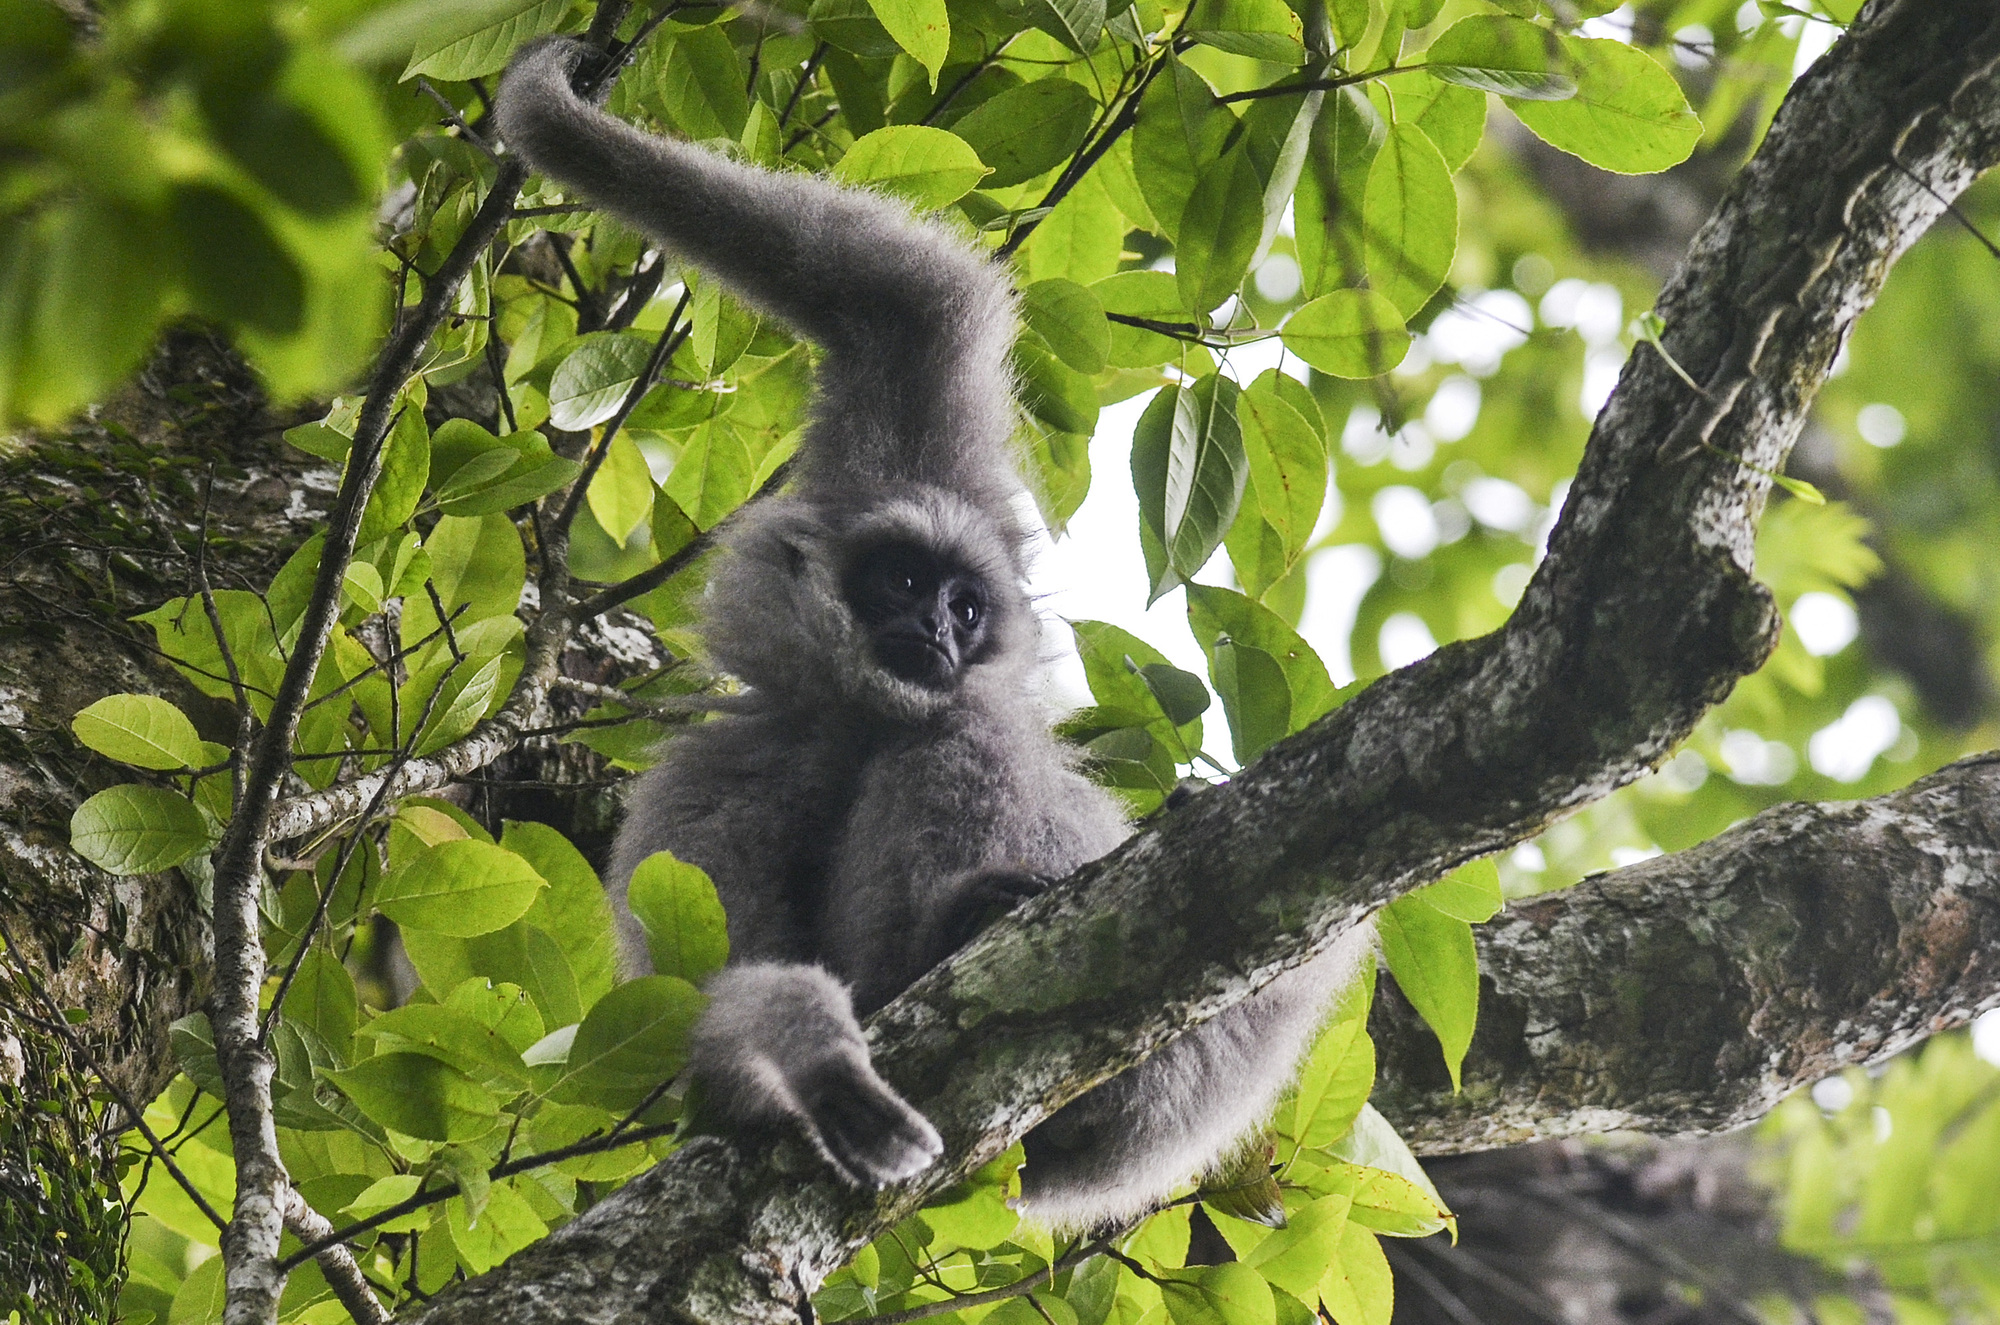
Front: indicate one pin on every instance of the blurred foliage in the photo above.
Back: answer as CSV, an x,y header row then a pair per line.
x,y
1375,347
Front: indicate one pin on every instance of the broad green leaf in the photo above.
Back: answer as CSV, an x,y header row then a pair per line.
x,y
182,628
921,27
1061,469
90,282
1295,1258
1436,966
1358,1288
716,471
700,89
1327,231
199,1299
1628,114
1256,697
506,1225
387,1193
452,1036
1070,320
573,910
633,1040
593,380
1262,29
457,694
520,953
477,565
1348,333
675,903
1470,893
1220,229
1182,696
475,473
1181,130
1080,240
459,889
237,271
406,467
1334,1083
1373,1143
322,1000
1053,392
1511,56
1288,473
1077,24
1453,117
419,1096
621,492
503,1008
929,167
1028,130
453,50
1152,295
851,25
132,829
1121,668
1232,1294
1390,1203
1410,220
1216,613
144,731
1189,469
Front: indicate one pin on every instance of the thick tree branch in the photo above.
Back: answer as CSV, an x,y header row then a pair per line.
x,y
1691,992
1643,615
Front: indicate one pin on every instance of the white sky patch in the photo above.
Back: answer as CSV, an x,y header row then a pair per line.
x,y
1814,42
1600,379
1244,363
1694,46
1616,25
1277,277
1404,639
1623,856
1986,1036
1337,578
1498,504
1756,762
1403,514
1453,408
1881,425
1833,1093
1824,623
1529,857
1846,748
1478,330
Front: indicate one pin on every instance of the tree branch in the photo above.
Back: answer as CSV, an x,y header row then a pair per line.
x,y
1643,615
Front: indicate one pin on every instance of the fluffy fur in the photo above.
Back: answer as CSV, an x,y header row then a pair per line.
x,y
859,825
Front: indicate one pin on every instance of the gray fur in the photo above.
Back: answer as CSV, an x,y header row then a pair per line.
x,y
855,822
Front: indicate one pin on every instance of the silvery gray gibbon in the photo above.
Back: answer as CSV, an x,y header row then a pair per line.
x,y
887,779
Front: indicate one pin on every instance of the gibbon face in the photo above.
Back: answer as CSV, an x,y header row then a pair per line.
x,y
925,614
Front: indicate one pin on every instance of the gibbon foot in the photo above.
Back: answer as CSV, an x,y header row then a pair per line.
x,y
865,1129
983,898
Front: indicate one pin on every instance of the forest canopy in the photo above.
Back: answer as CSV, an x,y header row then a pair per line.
x,y
381,477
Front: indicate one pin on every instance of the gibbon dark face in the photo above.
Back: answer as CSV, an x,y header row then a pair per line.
x,y
925,614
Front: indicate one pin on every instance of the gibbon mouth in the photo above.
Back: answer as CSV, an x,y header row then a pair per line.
x,y
916,658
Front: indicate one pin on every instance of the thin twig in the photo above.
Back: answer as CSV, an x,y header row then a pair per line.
x,y
805,81
670,340
336,1262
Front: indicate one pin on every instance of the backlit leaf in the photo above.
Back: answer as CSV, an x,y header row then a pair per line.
x,y
132,829
1348,333
1028,130
687,934
929,167
144,731
460,889
1628,114
1409,219
1431,954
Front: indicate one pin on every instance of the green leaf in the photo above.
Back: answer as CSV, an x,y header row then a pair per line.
x,y
1182,696
716,471
1232,1294
1470,893
700,88
1220,229
385,1193
1189,469
591,383
141,730
1451,116
1432,956
182,628
1338,1074
476,565
1409,220
419,1095
1053,392
1181,130
921,27
1286,490
1070,320
506,1225
1392,1204
406,467
138,830
471,41
851,25
1348,333
460,889
1255,696
1216,613
1028,130
675,903
1495,53
1154,295
322,999
634,1039
928,167
1628,114
1295,1258
1262,29
1077,24
621,492
1359,1288
452,1036
573,910
237,270
464,692
1327,231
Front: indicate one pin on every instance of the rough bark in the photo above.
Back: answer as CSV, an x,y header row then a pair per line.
x,y
1642,616
1689,993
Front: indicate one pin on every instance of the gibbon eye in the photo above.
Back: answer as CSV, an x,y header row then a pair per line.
x,y
906,582
966,608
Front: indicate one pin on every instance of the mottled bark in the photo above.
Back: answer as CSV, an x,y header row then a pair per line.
x,y
1689,993
1643,615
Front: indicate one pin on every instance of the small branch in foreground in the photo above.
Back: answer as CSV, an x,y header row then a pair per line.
x,y
336,1262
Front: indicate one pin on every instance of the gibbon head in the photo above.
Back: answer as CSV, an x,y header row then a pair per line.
x,y
897,608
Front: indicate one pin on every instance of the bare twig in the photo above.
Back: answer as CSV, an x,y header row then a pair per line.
x,y
336,1262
